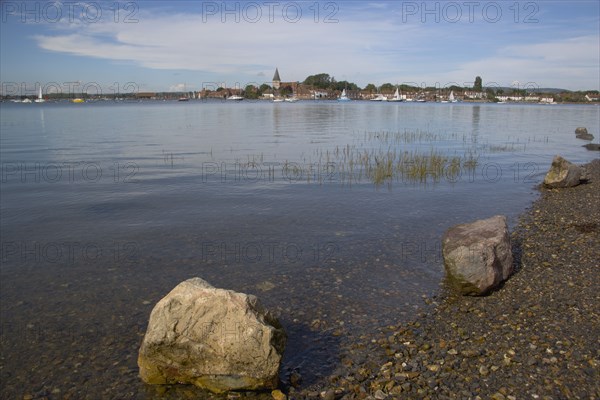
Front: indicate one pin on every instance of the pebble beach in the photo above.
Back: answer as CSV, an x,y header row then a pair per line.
x,y
537,337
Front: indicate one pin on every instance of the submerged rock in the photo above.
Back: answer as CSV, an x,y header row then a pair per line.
x,y
563,174
213,338
592,146
582,133
478,255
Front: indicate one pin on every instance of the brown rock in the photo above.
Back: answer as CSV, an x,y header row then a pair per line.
x,y
478,255
213,338
563,174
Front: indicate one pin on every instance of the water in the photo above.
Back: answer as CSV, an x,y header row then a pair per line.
x,y
107,206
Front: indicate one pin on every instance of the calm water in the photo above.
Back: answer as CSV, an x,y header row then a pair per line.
x,y
105,207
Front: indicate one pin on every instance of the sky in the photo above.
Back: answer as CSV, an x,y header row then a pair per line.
x,y
189,45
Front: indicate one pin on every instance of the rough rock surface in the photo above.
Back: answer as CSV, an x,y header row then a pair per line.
x,y
563,174
582,133
478,255
213,338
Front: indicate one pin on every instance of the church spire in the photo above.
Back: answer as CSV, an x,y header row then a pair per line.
x,y
276,79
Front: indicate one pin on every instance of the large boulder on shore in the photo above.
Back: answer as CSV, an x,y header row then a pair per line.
x,y
582,133
563,174
213,338
478,255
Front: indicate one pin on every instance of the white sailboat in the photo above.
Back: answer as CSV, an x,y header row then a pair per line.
x,y
40,99
451,98
396,96
343,97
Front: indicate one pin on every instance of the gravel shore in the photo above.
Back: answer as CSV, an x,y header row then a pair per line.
x,y
538,337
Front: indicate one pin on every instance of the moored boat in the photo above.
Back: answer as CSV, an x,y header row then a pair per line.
x,y
40,99
343,97
396,97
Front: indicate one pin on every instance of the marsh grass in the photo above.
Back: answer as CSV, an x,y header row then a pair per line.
x,y
387,157
351,164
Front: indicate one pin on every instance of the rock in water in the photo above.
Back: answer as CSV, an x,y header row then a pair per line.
x,y
478,255
213,338
563,174
592,146
582,133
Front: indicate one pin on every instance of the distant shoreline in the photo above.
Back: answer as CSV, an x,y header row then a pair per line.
x,y
220,100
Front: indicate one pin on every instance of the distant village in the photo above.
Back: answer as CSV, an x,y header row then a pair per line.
x,y
324,87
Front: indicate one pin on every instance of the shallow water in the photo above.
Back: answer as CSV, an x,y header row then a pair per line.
x,y
107,206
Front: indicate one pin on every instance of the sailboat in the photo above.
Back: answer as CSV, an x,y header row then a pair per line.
x,y
396,96
40,99
451,98
343,97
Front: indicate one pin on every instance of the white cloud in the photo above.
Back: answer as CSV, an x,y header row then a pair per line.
x,y
571,62
365,47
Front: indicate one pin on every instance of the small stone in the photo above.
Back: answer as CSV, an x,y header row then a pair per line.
x,y
295,379
379,395
483,370
278,395
328,395
433,367
582,133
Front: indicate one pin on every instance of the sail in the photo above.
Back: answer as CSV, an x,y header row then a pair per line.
x,y
451,97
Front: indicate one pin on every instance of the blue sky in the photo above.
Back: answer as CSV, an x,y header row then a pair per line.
x,y
166,45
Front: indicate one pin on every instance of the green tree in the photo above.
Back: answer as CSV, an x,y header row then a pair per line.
x,y
341,85
286,90
264,87
371,88
478,85
251,92
387,87
321,81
